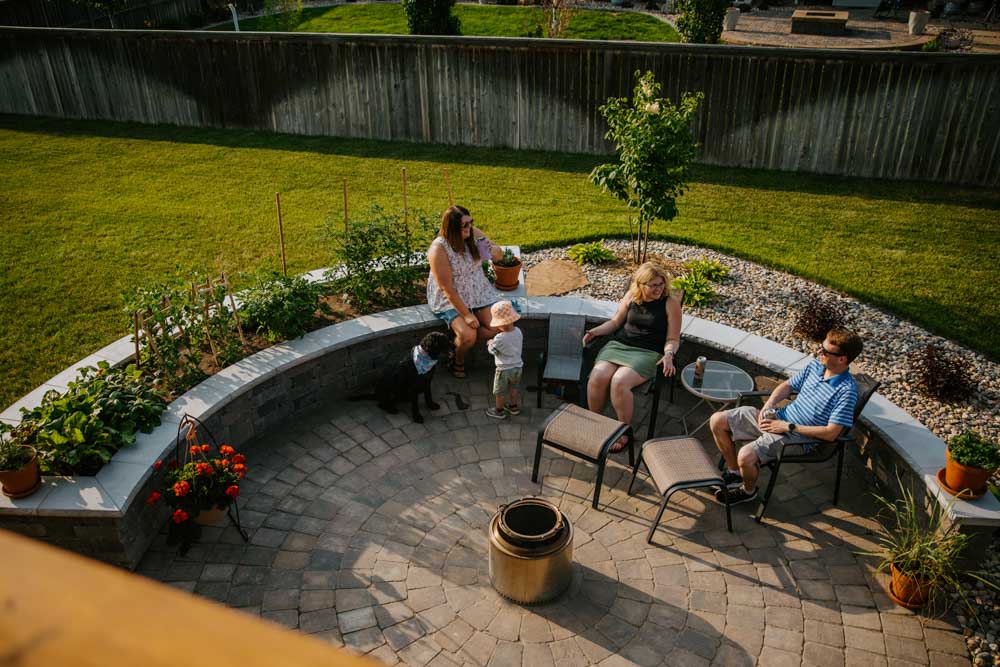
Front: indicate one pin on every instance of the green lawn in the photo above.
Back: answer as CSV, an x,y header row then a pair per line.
x,y
92,208
486,20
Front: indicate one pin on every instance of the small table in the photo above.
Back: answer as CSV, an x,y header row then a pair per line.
x,y
721,384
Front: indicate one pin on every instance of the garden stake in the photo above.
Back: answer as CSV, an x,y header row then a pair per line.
x,y
406,220
281,233
203,290
149,336
232,302
447,181
135,325
346,230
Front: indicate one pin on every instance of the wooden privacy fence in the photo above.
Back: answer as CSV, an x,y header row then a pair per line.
x,y
65,14
875,114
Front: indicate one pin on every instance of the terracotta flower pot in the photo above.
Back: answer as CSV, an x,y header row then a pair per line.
x,y
23,482
908,591
508,277
961,477
210,517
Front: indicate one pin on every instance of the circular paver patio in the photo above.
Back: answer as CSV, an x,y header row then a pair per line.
x,y
369,531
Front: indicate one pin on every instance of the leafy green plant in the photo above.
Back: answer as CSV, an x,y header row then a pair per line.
x,y
698,290
508,259
78,431
712,269
13,454
932,45
591,253
818,317
281,307
973,450
700,21
922,546
381,257
655,148
431,17
940,374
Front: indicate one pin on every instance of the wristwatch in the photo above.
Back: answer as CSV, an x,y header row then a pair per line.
x,y
791,427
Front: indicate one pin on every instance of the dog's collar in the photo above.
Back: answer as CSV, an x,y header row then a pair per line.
x,y
422,361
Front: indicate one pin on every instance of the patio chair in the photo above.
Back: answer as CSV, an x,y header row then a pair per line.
x,y
816,451
562,361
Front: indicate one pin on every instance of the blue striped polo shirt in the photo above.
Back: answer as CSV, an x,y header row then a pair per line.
x,y
821,401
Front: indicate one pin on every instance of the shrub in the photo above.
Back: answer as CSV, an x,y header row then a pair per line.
x,y
282,15
655,147
281,307
381,258
698,290
818,317
940,374
591,253
973,450
78,431
431,17
700,21
709,268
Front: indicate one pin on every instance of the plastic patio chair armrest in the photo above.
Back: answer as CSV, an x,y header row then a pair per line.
x,y
750,394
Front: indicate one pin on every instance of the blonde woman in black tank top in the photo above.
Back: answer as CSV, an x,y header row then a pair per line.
x,y
645,335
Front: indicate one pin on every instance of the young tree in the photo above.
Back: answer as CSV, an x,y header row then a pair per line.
x,y
700,21
283,15
655,148
431,17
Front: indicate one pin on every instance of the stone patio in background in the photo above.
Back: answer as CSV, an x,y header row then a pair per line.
x,y
369,531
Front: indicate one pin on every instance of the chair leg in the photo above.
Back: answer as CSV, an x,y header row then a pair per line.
x,y
600,480
631,446
651,433
729,513
656,521
840,468
672,383
635,471
767,494
538,400
538,459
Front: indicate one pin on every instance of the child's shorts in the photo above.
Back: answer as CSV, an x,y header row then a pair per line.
x,y
507,379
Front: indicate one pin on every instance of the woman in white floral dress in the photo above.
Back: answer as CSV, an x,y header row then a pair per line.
x,y
457,290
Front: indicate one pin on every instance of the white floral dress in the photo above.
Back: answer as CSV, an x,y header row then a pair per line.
x,y
469,280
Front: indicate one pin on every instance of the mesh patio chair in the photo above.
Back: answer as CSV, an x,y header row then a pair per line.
x,y
562,361
814,451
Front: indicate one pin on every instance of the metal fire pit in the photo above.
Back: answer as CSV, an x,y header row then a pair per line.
x,y
531,551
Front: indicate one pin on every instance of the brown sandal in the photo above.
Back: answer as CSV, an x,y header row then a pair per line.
x,y
619,445
457,369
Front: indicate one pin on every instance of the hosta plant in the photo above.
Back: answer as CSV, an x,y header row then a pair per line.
x,y
591,253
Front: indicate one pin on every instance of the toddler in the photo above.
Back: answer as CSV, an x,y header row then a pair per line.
x,y
506,350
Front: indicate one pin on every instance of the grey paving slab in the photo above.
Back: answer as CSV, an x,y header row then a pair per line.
x,y
392,561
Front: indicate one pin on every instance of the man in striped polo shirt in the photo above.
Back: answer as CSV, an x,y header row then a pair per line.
x,y
823,409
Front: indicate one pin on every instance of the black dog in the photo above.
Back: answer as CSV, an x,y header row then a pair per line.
x,y
401,380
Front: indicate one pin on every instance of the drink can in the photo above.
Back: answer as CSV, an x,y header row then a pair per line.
x,y
699,367
770,413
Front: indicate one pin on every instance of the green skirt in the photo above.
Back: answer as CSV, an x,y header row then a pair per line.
x,y
641,361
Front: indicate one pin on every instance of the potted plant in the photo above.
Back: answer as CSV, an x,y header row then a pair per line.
x,y
970,462
921,553
19,473
200,491
508,271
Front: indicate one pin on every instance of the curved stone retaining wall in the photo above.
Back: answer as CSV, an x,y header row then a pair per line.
x,y
105,516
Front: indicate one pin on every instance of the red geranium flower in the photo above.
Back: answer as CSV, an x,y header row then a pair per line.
x,y
180,516
233,491
205,449
194,450
240,470
226,450
239,458
153,497
157,465
181,489
204,468
222,463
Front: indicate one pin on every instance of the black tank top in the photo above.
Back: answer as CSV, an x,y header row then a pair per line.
x,y
645,325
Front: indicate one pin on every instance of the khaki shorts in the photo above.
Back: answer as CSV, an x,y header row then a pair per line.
x,y
743,425
504,380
